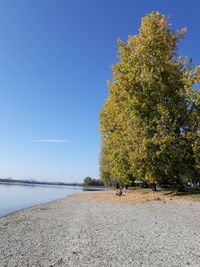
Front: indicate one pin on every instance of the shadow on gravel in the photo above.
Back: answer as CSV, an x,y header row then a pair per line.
x,y
184,193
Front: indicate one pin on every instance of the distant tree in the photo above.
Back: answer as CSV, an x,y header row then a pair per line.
x,y
87,180
93,182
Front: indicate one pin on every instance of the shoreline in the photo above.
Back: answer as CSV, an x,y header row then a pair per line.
x,y
83,230
36,205
23,200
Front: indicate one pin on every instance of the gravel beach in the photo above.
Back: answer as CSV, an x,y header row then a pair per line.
x,y
80,230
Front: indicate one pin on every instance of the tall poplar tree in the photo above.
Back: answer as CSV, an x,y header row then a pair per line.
x,y
150,121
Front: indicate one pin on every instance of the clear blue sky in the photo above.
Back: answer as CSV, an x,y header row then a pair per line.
x,y
55,58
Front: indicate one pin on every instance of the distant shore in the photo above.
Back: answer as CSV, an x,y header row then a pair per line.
x,y
32,182
99,229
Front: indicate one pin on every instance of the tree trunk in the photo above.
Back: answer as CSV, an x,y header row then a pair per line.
x,y
154,187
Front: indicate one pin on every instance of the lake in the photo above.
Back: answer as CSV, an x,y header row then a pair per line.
x,y
14,197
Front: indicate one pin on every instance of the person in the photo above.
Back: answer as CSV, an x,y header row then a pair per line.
x,y
119,193
116,193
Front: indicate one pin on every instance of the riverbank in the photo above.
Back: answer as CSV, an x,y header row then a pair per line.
x,y
88,230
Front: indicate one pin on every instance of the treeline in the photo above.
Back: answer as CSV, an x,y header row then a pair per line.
x,y
92,182
10,180
150,122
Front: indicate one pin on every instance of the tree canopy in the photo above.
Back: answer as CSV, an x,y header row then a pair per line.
x,y
150,122
88,181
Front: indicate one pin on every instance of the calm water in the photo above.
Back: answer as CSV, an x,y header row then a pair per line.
x,y
14,197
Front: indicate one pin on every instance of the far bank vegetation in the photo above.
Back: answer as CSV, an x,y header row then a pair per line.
x,y
88,181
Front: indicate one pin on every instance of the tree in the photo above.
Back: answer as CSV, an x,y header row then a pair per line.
x,y
147,120
87,180
105,174
92,182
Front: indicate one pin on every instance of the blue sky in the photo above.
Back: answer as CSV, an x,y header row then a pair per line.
x,y
55,58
